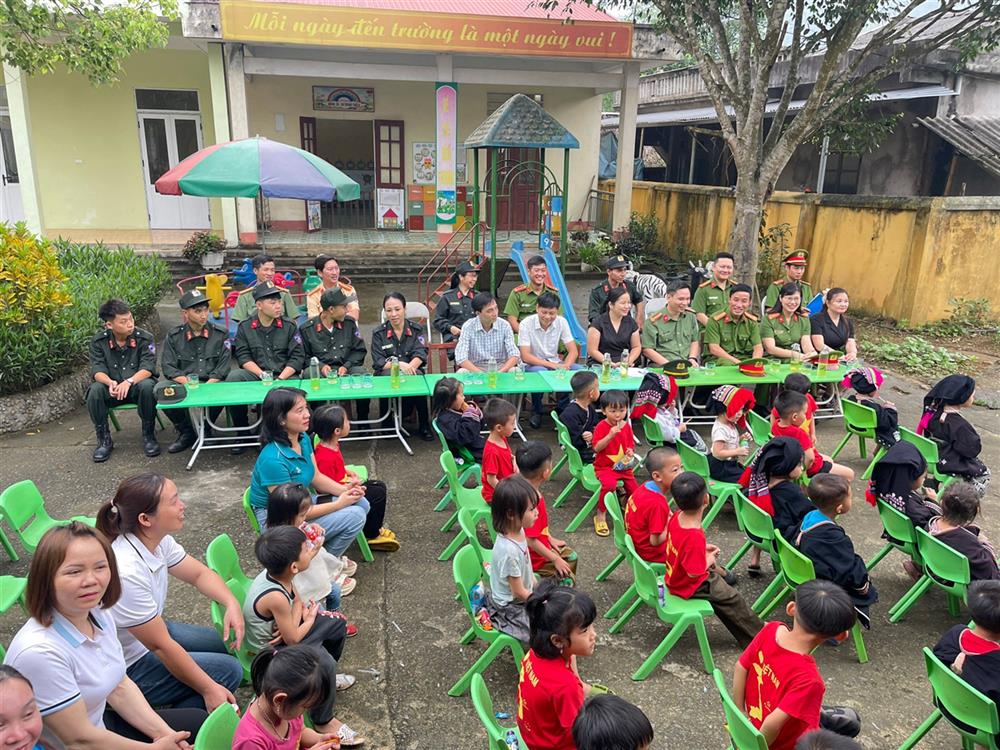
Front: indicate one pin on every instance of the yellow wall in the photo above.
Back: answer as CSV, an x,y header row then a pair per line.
x,y
904,258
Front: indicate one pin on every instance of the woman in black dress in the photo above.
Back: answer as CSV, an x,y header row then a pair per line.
x,y
614,331
832,329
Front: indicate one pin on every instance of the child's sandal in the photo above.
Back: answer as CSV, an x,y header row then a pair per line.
x,y
753,571
601,527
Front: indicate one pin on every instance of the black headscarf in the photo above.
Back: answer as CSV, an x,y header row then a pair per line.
x,y
894,475
776,458
949,391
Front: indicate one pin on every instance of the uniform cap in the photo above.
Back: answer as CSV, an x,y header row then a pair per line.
x,y
753,367
332,298
192,298
616,261
265,289
678,368
466,267
797,258
169,392
829,359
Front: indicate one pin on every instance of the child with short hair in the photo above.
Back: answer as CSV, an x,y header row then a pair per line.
x,y
866,382
580,416
460,421
974,653
550,692
549,556
331,425
800,383
898,479
614,453
791,408
647,511
829,547
500,418
514,508
272,602
955,527
607,722
959,445
730,405
693,571
776,681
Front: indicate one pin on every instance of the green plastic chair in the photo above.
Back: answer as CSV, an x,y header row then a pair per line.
x,y
218,730
23,508
483,703
742,733
248,509
221,557
679,613
652,432
943,566
12,592
760,428
129,407
860,421
619,532
758,527
797,569
970,713
901,535
463,497
468,522
583,475
721,491
929,450
469,467
467,572
360,469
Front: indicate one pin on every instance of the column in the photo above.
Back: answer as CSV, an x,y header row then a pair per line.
x,y
626,145
20,125
220,118
246,215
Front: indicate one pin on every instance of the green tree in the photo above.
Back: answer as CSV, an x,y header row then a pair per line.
x,y
91,37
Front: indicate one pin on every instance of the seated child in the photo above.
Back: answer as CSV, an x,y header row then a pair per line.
x,y
648,510
898,480
550,692
580,416
692,567
331,425
959,445
549,556
866,382
776,681
730,405
796,381
514,508
791,408
955,527
824,739
271,602
614,453
657,399
826,543
460,421
607,722
499,417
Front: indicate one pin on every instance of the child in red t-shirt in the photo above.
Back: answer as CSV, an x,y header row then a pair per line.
x,y
776,681
498,461
791,408
550,691
799,383
691,567
614,453
648,510
549,556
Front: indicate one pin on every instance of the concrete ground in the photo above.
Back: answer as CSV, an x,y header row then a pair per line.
x,y
407,654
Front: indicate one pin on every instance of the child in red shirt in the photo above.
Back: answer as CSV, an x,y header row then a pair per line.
x,y
648,511
776,681
799,383
791,407
614,453
550,691
691,568
549,556
498,461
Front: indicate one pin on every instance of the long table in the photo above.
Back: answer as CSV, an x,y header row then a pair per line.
x,y
507,383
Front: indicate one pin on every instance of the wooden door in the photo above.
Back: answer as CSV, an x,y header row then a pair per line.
x,y
517,202
389,171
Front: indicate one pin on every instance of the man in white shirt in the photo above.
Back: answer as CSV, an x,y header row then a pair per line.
x,y
539,338
485,337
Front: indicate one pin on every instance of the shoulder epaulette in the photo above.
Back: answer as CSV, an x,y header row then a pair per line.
x,y
655,316
720,315
244,291
778,282
178,329
549,286
803,312
752,317
218,328
773,316
704,283
689,311
520,288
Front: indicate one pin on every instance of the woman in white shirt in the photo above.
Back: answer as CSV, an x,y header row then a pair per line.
x,y
71,651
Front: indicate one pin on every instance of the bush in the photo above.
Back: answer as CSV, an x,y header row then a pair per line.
x,y
969,317
201,244
918,356
52,342
31,282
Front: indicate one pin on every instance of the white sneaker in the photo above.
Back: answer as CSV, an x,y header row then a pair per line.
x,y
345,681
350,567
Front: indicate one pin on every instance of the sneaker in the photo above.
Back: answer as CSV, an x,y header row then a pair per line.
x,y
350,567
352,630
535,420
730,577
345,681
347,584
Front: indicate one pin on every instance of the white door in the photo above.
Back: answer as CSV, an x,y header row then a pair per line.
x,y
168,139
11,207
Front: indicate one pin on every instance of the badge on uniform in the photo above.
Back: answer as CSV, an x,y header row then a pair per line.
x,y
357,333
152,348
296,338
228,343
420,340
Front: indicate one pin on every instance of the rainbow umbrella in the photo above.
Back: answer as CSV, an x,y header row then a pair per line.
x,y
257,166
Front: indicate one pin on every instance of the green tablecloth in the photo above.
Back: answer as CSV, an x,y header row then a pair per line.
x,y
228,394
534,382
409,385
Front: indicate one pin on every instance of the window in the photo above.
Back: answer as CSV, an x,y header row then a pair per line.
x,y
162,99
494,100
842,173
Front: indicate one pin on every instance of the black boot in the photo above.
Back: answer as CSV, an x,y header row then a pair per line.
x,y
149,444
186,437
104,444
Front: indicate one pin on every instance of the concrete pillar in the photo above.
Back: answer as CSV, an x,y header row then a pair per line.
x,y
246,215
20,125
220,118
627,114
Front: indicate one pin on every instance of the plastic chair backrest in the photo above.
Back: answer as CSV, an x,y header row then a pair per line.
x,y
651,429
899,529
946,565
795,567
654,306
462,496
693,460
617,518
218,729
221,556
572,454
745,736
22,505
248,509
414,311
756,523
483,704
760,428
468,521
645,578
464,453
468,571
959,699
857,417
927,447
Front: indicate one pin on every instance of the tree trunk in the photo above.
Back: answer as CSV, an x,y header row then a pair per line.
x,y
747,215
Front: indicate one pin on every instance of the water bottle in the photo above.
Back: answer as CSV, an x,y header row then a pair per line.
x,y
314,374
519,371
606,368
477,596
394,378
491,373
623,366
661,592
511,740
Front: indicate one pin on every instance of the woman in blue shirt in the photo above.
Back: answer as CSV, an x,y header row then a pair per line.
x,y
287,456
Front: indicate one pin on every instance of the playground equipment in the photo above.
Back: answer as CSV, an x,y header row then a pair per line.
x,y
214,288
555,278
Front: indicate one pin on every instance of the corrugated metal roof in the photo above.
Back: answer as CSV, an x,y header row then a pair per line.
x,y
502,8
976,137
520,122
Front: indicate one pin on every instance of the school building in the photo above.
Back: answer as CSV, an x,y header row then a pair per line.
x,y
353,81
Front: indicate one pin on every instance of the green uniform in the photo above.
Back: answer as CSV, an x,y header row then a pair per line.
x,y
772,292
120,363
598,303
523,300
736,337
272,347
710,298
670,337
786,332
245,306
207,354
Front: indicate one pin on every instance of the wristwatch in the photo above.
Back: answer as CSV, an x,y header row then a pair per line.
x,y
130,381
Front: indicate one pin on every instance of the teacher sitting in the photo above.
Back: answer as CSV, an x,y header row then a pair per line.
x,y
614,332
784,331
173,663
832,330
286,456
70,649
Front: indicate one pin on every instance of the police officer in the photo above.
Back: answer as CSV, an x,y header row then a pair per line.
x,y
455,305
264,269
523,299
712,296
785,329
598,304
673,333
123,365
335,340
795,268
194,348
265,341
734,334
